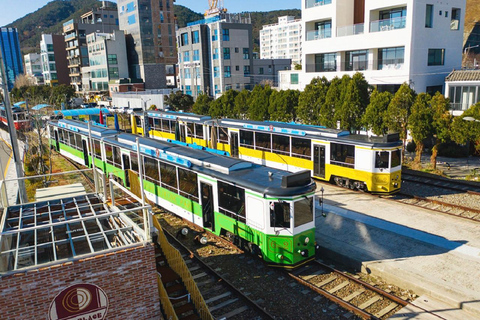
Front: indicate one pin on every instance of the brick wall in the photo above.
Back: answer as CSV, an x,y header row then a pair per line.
x,y
128,277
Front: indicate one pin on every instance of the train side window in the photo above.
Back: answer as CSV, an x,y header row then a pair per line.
x,y
231,201
342,155
71,139
97,149
281,144
109,153
78,141
117,159
382,159
151,169
199,131
222,135
168,176
246,139
138,121
396,158
302,212
263,141
188,184
157,124
134,161
279,215
301,148
151,123
165,125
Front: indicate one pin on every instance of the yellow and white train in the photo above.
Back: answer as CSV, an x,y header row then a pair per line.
x,y
354,161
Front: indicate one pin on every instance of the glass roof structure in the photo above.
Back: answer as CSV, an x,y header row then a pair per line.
x,y
60,230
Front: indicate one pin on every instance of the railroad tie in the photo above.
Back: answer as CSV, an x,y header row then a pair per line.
x,y
199,275
221,296
233,313
386,310
222,305
369,302
354,294
326,281
338,287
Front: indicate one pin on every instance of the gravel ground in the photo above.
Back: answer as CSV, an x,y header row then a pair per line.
x,y
269,287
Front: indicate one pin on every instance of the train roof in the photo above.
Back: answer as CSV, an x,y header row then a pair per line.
x,y
79,126
311,132
13,108
173,115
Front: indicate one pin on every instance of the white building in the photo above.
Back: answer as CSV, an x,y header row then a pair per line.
x,y
390,42
282,40
33,67
463,89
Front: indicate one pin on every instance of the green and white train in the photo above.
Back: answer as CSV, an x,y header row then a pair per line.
x,y
267,210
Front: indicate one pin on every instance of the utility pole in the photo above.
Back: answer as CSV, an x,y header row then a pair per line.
x,y
13,135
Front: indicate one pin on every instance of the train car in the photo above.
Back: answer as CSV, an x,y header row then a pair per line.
x,y
354,161
21,120
269,211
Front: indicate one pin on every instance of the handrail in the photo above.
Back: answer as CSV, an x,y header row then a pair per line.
x,y
165,301
176,262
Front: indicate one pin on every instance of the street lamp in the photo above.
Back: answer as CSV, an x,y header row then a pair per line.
x,y
321,201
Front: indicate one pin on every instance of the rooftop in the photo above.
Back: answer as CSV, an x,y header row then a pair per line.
x,y
463,75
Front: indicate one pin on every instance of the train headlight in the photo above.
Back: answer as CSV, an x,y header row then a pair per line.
x,y
304,253
307,240
184,231
280,256
203,240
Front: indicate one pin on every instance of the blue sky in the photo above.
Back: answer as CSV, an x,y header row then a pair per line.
x,y
14,9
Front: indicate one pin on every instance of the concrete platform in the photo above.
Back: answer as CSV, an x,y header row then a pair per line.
x,y
435,255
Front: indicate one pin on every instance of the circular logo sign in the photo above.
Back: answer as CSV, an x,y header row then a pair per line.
x,y
79,302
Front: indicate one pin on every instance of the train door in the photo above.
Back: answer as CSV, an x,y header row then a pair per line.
x,y
126,167
319,161
207,206
234,144
85,152
57,142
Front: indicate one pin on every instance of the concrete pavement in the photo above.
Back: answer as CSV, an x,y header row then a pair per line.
x,y
10,172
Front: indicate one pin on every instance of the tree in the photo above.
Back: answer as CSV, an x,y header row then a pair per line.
x,y
354,103
332,102
202,105
420,123
311,101
464,131
179,101
398,111
224,105
241,104
442,123
283,104
376,113
24,80
61,93
258,103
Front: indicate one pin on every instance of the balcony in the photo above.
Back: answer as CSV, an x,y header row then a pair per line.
x,y
390,64
351,30
319,34
318,67
316,3
388,24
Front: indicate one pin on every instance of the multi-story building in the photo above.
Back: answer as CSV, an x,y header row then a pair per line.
x,y
282,40
12,57
33,67
390,42
462,87
54,60
107,53
150,29
215,55
104,20
266,71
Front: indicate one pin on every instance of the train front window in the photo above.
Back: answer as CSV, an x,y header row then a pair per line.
x,y
303,212
279,215
382,159
396,158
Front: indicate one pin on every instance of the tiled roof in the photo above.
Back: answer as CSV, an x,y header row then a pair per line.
x,y
463,75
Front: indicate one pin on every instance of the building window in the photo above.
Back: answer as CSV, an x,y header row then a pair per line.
x,y
131,19
196,55
325,62
187,73
186,56
113,73
215,35
184,39
188,90
215,54
323,29
217,91
246,71
432,90
195,37
236,50
226,53
237,68
216,72
390,20
436,57
197,72
260,71
455,22
112,59
463,97
246,53
227,72
429,16
226,34
390,58
356,60
294,78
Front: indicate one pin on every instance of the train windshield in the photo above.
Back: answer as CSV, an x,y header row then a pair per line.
x,y
396,158
303,211
280,215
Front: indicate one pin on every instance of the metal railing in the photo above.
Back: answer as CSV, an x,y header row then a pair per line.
x,y
176,262
167,305
316,3
388,24
384,64
319,34
351,30
322,68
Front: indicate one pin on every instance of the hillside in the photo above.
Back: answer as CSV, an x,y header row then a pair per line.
x,y
472,25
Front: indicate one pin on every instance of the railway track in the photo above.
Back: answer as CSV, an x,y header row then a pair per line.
x,y
354,295
224,300
444,183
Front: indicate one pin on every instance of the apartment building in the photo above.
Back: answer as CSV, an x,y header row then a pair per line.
x,y
282,40
12,57
33,67
107,54
54,60
104,20
390,42
215,54
150,29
